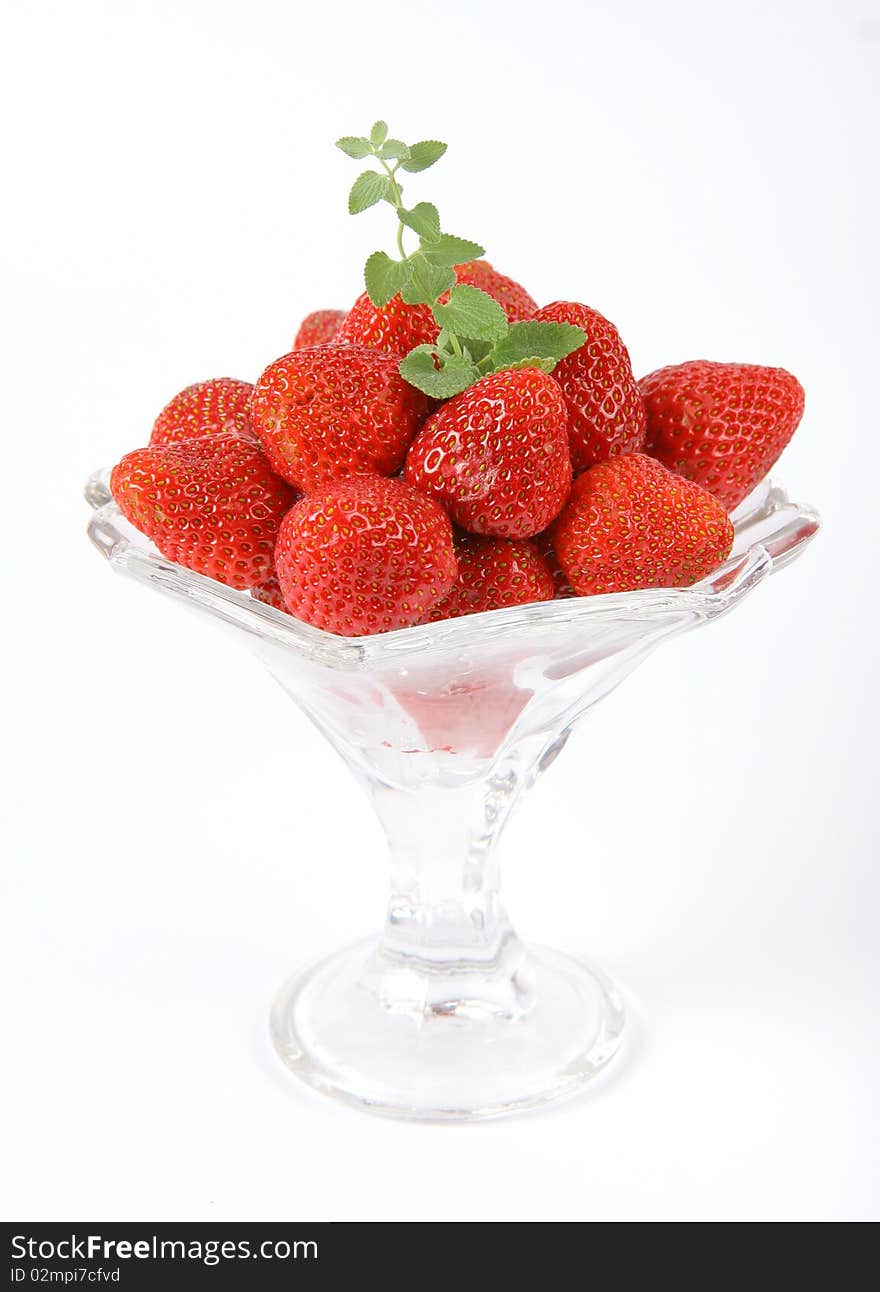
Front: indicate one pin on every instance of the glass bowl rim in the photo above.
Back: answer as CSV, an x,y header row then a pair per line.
x,y
130,552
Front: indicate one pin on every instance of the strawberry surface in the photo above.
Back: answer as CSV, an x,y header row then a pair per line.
x,y
496,455
395,328
721,424
493,573
544,543
515,300
630,523
207,408
318,328
211,504
365,555
605,408
333,411
269,592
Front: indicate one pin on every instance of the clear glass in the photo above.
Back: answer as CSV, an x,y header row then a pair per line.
x,y
447,1014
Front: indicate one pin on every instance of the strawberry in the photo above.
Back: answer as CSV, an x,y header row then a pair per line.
x,y
365,555
211,504
605,409
493,573
562,589
468,714
396,327
269,592
517,303
318,328
207,408
721,424
496,455
629,523
334,411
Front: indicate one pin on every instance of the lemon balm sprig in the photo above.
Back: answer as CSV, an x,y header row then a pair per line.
x,y
475,336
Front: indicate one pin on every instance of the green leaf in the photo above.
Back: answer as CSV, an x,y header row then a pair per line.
x,y
423,219
448,250
424,154
426,282
533,341
379,133
353,146
473,314
476,349
384,277
420,369
393,150
368,189
543,365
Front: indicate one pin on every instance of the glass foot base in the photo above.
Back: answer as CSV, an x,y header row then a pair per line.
x,y
374,1030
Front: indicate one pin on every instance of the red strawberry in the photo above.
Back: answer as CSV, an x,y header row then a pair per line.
x,y
468,714
517,303
269,593
721,424
318,328
630,523
561,585
605,409
208,408
395,327
496,455
335,411
493,573
211,504
363,556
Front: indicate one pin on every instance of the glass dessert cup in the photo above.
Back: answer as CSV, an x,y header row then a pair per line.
x,y
447,1014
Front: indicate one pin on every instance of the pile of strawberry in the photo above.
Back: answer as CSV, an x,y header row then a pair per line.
x,y
447,447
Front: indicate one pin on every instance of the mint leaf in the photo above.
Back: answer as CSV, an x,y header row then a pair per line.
x,y
424,154
426,281
543,365
534,341
423,219
354,146
473,314
476,349
420,369
384,277
393,150
368,189
448,250
473,327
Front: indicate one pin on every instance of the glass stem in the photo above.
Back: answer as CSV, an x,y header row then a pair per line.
x,y
448,945
445,899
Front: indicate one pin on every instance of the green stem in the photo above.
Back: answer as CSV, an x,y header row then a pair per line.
x,y
398,203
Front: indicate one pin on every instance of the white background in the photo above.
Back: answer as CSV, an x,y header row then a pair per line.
x,y
177,839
